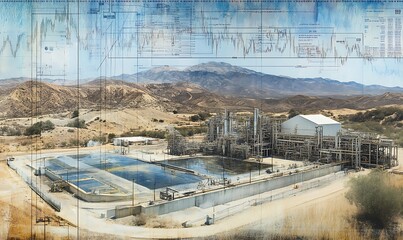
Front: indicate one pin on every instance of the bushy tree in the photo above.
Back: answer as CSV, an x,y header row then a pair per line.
x,y
377,200
76,123
195,118
47,125
111,136
378,115
292,113
75,114
200,117
204,115
10,131
151,133
190,131
38,127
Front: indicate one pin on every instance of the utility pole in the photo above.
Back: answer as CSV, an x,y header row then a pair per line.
x,y
45,220
154,188
259,164
223,171
133,192
272,148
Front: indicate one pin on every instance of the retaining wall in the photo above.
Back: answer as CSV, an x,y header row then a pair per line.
x,y
229,194
89,197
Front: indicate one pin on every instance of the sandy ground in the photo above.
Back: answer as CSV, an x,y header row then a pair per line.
x,y
342,111
18,216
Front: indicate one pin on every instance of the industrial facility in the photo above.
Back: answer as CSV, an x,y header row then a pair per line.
x,y
234,161
314,138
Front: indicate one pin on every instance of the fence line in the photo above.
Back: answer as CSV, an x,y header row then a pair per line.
x,y
46,196
302,186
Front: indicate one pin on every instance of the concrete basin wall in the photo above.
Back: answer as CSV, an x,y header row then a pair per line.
x,y
228,194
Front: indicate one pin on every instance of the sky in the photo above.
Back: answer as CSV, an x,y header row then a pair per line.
x,y
345,41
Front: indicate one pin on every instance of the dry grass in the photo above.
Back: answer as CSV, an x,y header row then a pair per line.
x,y
149,221
396,180
19,226
328,218
334,218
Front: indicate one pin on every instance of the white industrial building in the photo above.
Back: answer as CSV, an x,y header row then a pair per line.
x,y
310,125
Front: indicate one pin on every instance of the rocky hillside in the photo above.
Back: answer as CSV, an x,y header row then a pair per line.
x,y
301,102
230,80
32,98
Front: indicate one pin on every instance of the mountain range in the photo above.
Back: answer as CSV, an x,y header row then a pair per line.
x,y
33,98
205,87
225,79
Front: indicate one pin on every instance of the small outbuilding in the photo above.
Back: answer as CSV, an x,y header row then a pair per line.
x,y
125,141
310,125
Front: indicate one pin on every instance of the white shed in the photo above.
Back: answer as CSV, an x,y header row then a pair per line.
x,y
308,125
122,141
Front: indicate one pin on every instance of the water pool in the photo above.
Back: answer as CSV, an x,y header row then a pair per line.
x,y
148,175
217,166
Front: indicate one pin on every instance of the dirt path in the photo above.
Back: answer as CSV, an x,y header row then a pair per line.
x,y
18,216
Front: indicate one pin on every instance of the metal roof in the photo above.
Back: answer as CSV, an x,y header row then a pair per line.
x,y
319,119
135,139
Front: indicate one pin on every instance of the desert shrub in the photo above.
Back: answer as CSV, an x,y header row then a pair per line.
x,y
175,112
292,113
152,221
76,123
140,220
195,118
111,136
75,114
101,139
200,117
203,115
378,115
25,143
49,146
38,127
190,131
10,131
74,142
153,134
16,132
47,125
378,202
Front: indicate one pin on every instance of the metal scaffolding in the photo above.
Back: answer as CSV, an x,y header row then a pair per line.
x,y
258,135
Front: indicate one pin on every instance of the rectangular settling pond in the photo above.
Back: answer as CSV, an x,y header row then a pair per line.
x,y
148,175
217,166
